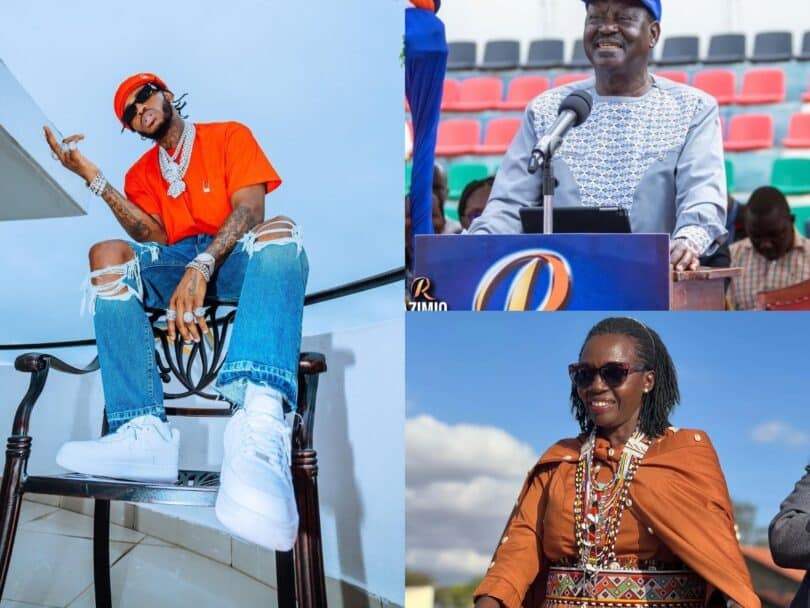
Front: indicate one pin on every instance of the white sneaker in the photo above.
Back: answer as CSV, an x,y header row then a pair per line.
x,y
143,449
255,499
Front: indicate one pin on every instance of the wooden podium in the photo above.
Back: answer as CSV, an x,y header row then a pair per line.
x,y
701,289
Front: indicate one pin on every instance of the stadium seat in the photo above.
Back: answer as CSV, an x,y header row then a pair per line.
x,y
476,94
804,53
501,55
729,176
461,174
772,46
674,76
450,93
563,79
578,57
749,132
679,50
461,55
762,85
791,175
458,136
545,54
522,89
798,132
726,48
408,171
498,135
720,84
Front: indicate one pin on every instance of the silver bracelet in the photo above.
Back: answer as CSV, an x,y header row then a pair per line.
x,y
208,260
202,268
98,184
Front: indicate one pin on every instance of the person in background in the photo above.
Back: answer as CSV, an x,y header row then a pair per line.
x,y
441,223
789,536
473,200
774,254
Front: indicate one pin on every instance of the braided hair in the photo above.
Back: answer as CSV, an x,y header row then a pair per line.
x,y
657,404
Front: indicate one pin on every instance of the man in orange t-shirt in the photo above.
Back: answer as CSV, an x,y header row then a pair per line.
x,y
194,207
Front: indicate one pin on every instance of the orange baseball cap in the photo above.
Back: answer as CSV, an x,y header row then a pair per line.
x,y
133,83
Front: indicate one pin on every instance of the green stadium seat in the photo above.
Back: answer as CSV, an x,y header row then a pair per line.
x,y
791,175
729,176
802,215
408,169
461,174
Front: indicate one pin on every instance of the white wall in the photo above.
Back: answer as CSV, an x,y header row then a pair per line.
x,y
525,20
358,435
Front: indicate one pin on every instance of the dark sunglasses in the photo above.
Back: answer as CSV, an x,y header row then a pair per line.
x,y
141,96
613,374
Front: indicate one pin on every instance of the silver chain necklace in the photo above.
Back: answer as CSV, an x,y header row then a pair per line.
x,y
172,171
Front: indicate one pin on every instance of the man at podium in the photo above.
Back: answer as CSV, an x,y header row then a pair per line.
x,y
650,146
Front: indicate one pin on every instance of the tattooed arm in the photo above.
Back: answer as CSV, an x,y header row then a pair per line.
x,y
248,210
140,225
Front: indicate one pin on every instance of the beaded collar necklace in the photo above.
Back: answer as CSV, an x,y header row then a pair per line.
x,y
172,171
598,506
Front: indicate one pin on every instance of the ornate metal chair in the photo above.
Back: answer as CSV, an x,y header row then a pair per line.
x,y
299,572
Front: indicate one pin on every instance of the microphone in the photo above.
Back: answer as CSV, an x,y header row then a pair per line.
x,y
574,110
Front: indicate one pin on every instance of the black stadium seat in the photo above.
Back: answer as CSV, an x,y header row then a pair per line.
x,y
461,55
544,54
804,54
773,46
578,57
501,55
726,48
679,49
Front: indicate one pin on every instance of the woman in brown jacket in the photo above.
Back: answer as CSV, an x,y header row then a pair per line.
x,y
633,511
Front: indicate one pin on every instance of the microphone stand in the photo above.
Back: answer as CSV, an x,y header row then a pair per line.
x,y
542,154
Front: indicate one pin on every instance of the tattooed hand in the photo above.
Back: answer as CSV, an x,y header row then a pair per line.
x,y
187,297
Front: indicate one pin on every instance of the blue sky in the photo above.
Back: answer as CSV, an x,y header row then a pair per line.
x,y
743,379
319,83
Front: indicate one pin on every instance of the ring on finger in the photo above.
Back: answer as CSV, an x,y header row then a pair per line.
x,y
171,314
73,146
188,317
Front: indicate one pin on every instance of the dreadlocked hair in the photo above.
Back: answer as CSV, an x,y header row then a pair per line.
x,y
179,104
657,404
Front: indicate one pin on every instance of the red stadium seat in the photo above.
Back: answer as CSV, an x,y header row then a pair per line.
x,y
499,134
720,84
564,79
674,76
763,85
458,136
749,132
476,94
522,89
450,93
806,94
798,132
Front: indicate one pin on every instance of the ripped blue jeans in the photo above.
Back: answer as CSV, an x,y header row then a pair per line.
x,y
267,277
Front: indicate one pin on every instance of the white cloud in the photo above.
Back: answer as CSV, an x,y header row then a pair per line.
x,y
460,564
462,481
435,450
776,431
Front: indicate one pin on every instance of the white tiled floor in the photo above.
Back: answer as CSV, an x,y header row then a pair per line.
x,y
52,567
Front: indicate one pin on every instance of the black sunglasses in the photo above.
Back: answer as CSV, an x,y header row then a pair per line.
x,y
613,374
141,96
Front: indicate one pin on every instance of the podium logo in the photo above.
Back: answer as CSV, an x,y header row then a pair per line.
x,y
421,298
534,279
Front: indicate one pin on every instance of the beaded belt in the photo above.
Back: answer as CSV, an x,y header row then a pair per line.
x,y
672,588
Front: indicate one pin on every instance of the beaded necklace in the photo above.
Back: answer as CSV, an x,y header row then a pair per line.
x,y
172,171
599,506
